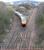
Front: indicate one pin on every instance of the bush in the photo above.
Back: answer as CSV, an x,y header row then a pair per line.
x,y
5,15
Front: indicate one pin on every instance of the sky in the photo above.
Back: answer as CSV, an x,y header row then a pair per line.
x,y
18,0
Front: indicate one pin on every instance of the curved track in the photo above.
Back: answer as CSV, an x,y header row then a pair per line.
x,y
21,37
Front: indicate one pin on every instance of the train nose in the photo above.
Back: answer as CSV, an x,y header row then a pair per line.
x,y
23,21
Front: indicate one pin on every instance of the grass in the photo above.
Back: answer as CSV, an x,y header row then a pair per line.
x,y
40,28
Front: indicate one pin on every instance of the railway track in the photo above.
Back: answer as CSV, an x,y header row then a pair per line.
x,y
21,37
